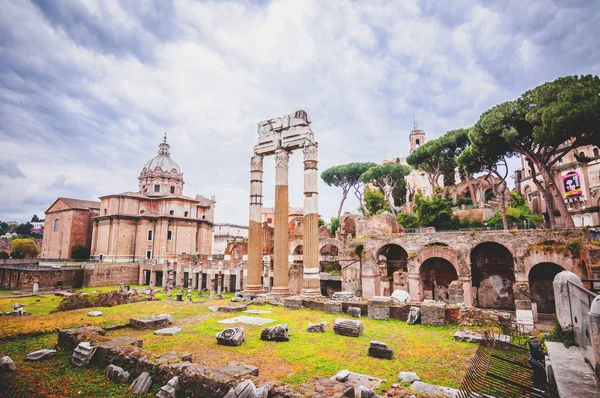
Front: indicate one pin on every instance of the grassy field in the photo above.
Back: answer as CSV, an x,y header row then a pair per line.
x,y
429,351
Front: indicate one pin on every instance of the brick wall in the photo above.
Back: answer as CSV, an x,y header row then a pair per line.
x,y
111,274
23,280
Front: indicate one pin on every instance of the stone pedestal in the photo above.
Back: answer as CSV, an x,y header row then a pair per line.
x,y
253,285
379,307
433,313
281,247
456,293
561,296
293,303
311,285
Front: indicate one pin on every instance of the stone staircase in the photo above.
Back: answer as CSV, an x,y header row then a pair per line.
x,y
83,354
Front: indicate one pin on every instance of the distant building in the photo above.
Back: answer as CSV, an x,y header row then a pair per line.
x,y
68,222
37,224
157,223
223,234
577,176
12,223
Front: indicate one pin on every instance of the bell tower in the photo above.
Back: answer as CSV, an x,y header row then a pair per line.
x,y
417,138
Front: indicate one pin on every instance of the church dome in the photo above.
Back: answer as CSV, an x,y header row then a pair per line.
x,y
161,174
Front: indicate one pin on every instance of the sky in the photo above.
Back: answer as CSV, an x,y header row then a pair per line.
x,y
88,88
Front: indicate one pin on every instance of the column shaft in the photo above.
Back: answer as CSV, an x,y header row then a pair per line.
x,y
311,284
253,285
281,247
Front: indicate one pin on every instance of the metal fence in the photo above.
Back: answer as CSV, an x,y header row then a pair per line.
x,y
503,370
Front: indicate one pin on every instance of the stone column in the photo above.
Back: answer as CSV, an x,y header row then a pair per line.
x,y
311,285
238,282
253,285
282,246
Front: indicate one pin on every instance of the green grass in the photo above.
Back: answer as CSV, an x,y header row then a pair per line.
x,y
429,351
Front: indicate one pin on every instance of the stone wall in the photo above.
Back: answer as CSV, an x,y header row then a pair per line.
x,y
111,274
23,279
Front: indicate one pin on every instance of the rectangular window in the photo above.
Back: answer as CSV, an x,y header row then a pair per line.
x,y
185,214
157,188
149,234
169,235
171,212
529,198
172,189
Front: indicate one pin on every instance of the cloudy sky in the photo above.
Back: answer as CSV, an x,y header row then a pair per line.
x,y
88,88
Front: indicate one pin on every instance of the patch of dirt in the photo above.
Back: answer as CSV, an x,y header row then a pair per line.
x,y
78,301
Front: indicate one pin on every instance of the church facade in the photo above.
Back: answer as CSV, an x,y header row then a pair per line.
x,y
158,222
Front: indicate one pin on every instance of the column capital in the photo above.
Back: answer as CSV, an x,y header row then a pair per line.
x,y
282,158
256,163
310,151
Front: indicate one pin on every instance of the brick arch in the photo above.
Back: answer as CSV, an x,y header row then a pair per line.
x,y
558,258
440,252
331,241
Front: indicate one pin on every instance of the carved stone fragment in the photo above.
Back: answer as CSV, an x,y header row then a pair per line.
x,y
348,327
231,336
377,349
275,333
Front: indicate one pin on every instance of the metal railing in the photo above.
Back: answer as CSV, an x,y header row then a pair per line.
x,y
502,370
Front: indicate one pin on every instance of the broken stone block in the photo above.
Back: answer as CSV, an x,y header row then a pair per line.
x,y
94,313
343,296
408,377
169,390
167,331
7,364
316,327
348,327
379,307
414,315
364,392
333,307
400,296
456,293
247,389
231,336
377,349
433,313
40,354
151,322
354,312
433,390
342,375
232,308
116,374
141,385
83,354
275,333
293,303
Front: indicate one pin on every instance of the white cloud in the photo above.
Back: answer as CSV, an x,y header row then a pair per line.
x,y
87,89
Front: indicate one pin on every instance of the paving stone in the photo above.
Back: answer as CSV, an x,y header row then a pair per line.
x,y
377,349
40,354
167,331
348,327
249,320
169,390
316,327
343,296
408,377
275,333
94,313
257,312
151,322
231,336
324,387
7,364
117,374
142,384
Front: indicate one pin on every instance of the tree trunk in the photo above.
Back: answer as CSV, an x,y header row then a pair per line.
x,y
389,197
545,193
344,195
359,195
503,206
468,177
565,217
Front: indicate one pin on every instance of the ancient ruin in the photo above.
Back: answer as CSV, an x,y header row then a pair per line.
x,y
280,137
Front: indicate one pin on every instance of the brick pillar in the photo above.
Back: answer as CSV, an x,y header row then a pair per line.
x,y
253,285
282,250
311,284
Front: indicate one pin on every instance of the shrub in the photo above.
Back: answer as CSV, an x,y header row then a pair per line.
x,y
4,255
80,252
408,220
22,248
335,224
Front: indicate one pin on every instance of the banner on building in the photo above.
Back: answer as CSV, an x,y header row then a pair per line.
x,y
571,184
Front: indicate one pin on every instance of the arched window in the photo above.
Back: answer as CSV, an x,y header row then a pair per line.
x,y
418,143
596,152
581,154
56,225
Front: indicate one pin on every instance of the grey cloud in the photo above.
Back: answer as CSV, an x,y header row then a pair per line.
x,y
10,169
